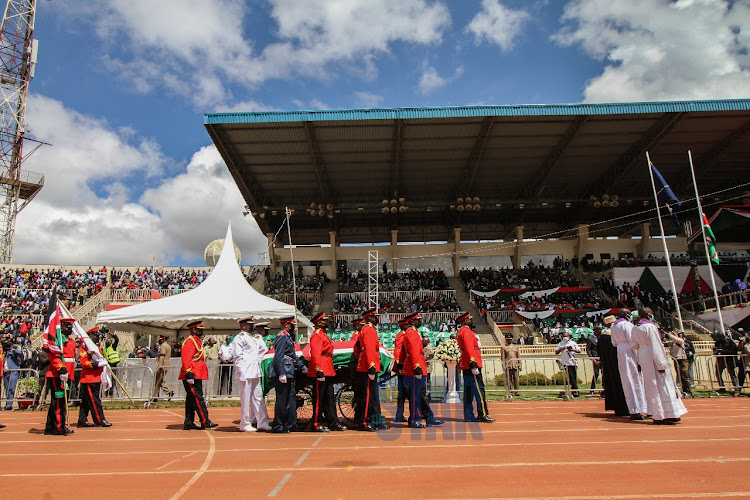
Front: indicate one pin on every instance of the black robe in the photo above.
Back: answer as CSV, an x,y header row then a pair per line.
x,y
614,397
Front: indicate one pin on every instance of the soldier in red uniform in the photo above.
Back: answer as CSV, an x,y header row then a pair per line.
x,y
321,368
415,368
367,407
194,371
398,345
89,385
60,368
357,324
470,363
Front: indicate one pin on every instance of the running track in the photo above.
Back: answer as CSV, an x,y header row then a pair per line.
x,y
562,450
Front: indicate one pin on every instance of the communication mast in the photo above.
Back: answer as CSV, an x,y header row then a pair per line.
x,y
18,51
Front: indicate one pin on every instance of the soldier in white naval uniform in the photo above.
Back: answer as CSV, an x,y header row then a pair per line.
x,y
248,350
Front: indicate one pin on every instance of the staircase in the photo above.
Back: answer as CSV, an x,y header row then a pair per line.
x,y
486,336
328,297
85,315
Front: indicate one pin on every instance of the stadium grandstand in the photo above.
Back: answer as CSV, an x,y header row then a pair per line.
x,y
527,216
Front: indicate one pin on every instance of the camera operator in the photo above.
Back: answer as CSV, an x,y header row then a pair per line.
x,y
677,350
567,348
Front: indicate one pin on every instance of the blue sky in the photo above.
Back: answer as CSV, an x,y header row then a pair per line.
x,y
121,88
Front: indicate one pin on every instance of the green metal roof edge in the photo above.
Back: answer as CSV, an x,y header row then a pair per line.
x,y
477,111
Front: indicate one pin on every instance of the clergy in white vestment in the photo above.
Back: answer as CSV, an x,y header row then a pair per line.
x,y
662,399
247,350
632,384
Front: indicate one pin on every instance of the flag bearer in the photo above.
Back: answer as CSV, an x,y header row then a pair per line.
x,y
89,384
58,374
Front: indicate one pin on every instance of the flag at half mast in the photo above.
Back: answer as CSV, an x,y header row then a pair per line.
x,y
664,193
710,240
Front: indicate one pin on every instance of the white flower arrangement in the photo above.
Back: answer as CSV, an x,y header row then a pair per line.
x,y
448,350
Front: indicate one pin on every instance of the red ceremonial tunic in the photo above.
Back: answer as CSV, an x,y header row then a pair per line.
x,y
412,353
193,359
59,358
369,356
321,354
90,373
469,345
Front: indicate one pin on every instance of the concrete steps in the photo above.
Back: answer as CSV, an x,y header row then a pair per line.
x,y
328,297
481,328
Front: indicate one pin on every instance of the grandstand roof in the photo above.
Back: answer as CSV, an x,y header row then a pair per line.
x,y
525,163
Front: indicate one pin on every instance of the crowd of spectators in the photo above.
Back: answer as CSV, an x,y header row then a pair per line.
x,y
446,303
580,300
354,281
531,276
281,284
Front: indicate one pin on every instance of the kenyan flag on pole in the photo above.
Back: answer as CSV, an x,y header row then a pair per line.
x,y
710,240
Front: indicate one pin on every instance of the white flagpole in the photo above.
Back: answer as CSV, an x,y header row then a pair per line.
x,y
291,257
664,242
705,246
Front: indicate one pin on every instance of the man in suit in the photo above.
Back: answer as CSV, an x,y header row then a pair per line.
x,y
591,350
281,372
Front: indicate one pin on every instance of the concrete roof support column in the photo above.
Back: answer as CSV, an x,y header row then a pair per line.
x,y
457,249
334,262
642,247
583,236
394,249
271,253
519,248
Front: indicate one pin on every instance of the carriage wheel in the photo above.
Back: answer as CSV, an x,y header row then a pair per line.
x,y
304,406
345,402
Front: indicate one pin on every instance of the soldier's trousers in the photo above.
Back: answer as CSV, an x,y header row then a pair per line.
x,y
285,410
324,407
90,403
159,382
474,390
402,397
365,396
57,408
413,387
194,403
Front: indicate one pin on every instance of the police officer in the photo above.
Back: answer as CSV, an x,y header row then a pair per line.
x,y
281,372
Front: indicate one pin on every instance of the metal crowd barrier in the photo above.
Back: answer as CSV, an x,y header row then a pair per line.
x,y
9,380
727,368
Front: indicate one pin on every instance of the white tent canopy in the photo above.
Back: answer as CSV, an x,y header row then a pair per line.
x,y
220,301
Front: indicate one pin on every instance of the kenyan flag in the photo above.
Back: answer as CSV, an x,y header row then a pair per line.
x,y
710,240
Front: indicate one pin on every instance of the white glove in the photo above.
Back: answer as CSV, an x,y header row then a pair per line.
x,y
282,379
64,377
418,377
321,379
372,376
190,381
475,371
102,363
304,369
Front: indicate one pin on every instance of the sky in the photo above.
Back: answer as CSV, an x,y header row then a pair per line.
x,y
121,87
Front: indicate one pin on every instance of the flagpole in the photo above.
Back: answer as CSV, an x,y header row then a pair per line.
x,y
705,245
291,258
664,243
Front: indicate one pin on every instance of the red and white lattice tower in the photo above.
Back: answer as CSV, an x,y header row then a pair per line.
x,y
17,59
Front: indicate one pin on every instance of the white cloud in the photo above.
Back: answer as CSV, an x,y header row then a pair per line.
x,y
497,24
70,222
368,100
197,49
431,80
662,49
243,107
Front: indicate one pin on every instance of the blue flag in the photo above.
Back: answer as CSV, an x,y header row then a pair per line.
x,y
665,194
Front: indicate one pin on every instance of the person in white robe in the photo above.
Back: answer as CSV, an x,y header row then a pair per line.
x,y
632,384
247,351
662,399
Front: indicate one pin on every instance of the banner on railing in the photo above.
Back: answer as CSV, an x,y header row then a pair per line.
x,y
526,292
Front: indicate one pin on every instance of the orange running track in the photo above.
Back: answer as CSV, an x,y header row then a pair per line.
x,y
545,449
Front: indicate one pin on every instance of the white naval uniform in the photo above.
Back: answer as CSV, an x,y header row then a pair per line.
x,y
661,393
627,364
248,350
